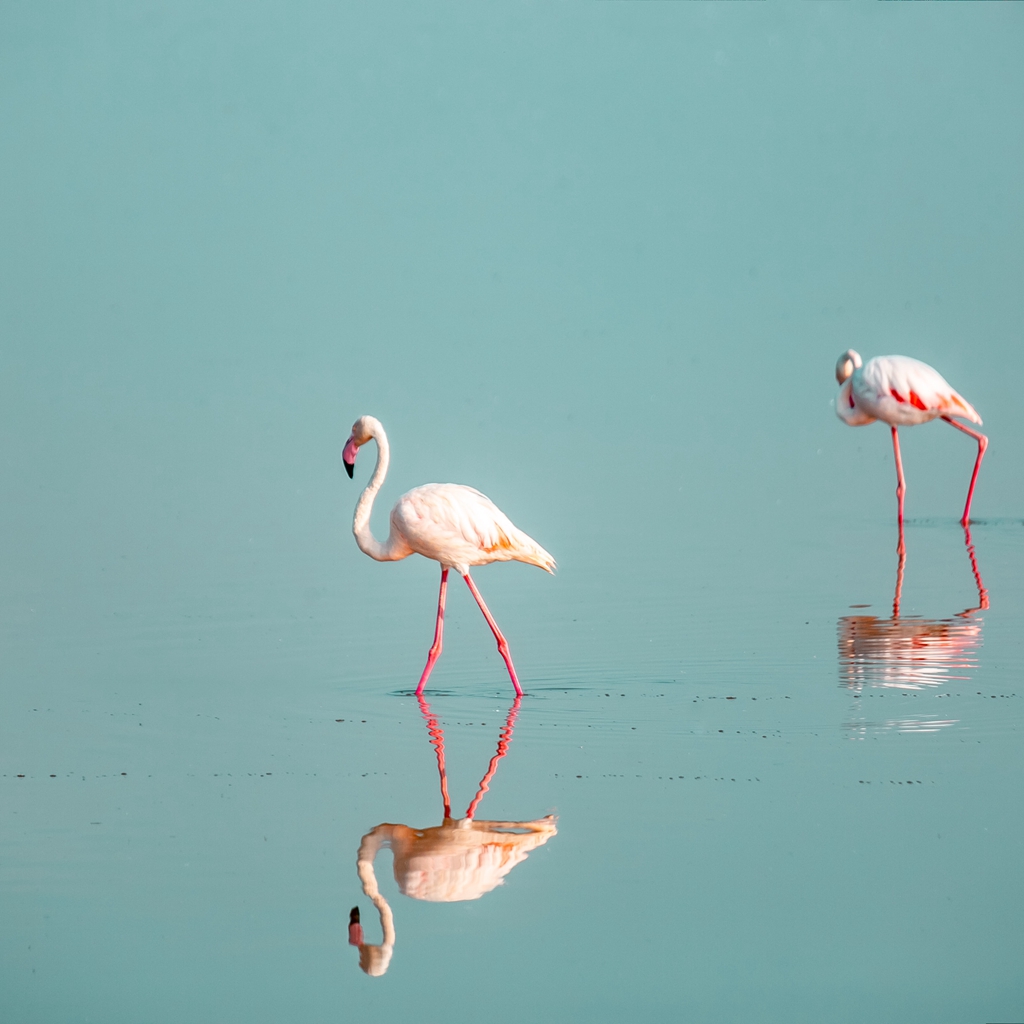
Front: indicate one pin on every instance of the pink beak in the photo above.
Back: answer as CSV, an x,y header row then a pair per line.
x,y
355,929
348,456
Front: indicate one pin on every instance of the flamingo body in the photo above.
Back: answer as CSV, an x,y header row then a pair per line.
x,y
460,527
455,525
460,859
899,391
903,392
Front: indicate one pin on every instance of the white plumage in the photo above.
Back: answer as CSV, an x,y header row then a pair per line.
x,y
899,391
455,525
459,527
903,392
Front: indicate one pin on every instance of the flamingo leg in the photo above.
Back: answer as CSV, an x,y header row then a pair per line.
x,y
982,592
901,487
435,650
504,739
982,445
436,734
502,642
897,597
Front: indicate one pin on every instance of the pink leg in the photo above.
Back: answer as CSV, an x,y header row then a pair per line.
x,y
982,445
504,739
899,584
901,486
355,929
435,651
982,592
436,734
502,642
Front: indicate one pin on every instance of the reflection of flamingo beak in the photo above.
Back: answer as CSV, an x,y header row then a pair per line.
x,y
355,929
348,456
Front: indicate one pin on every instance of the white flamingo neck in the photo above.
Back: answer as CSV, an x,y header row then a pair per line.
x,y
361,521
374,960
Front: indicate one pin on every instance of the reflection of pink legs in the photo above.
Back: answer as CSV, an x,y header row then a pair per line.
x,y
504,739
899,580
435,651
982,445
437,742
982,592
502,642
901,486
436,734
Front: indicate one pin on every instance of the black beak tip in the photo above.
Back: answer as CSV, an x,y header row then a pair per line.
x,y
353,917
349,467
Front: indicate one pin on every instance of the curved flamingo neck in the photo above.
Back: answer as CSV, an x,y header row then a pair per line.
x,y
374,960
361,521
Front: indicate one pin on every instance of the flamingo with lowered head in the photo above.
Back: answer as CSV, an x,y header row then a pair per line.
x,y
450,523
460,859
903,392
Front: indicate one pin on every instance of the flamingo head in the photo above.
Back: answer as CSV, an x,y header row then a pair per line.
x,y
355,929
362,431
374,960
848,362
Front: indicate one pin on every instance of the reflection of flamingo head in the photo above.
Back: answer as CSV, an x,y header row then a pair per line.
x,y
375,960
355,929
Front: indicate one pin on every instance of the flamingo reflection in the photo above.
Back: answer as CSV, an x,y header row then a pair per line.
x,y
910,653
460,859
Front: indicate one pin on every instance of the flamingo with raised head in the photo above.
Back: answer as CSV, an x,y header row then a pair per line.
x,y
903,392
450,523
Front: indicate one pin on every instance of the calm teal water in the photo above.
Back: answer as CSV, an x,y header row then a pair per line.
x,y
598,261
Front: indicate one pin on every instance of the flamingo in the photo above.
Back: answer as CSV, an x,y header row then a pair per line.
x,y
460,859
450,523
903,392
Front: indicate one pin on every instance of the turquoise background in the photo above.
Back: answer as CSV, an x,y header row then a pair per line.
x,y
597,260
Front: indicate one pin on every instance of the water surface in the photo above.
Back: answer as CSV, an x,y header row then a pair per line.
x,y
597,261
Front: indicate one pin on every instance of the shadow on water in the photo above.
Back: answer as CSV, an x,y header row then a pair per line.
x,y
910,653
460,859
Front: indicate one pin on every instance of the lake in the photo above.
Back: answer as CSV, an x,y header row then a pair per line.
x,y
597,261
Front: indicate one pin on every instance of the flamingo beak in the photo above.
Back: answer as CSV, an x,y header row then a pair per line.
x,y
355,929
348,456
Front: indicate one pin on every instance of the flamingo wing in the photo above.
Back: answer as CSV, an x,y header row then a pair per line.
x,y
460,527
915,384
